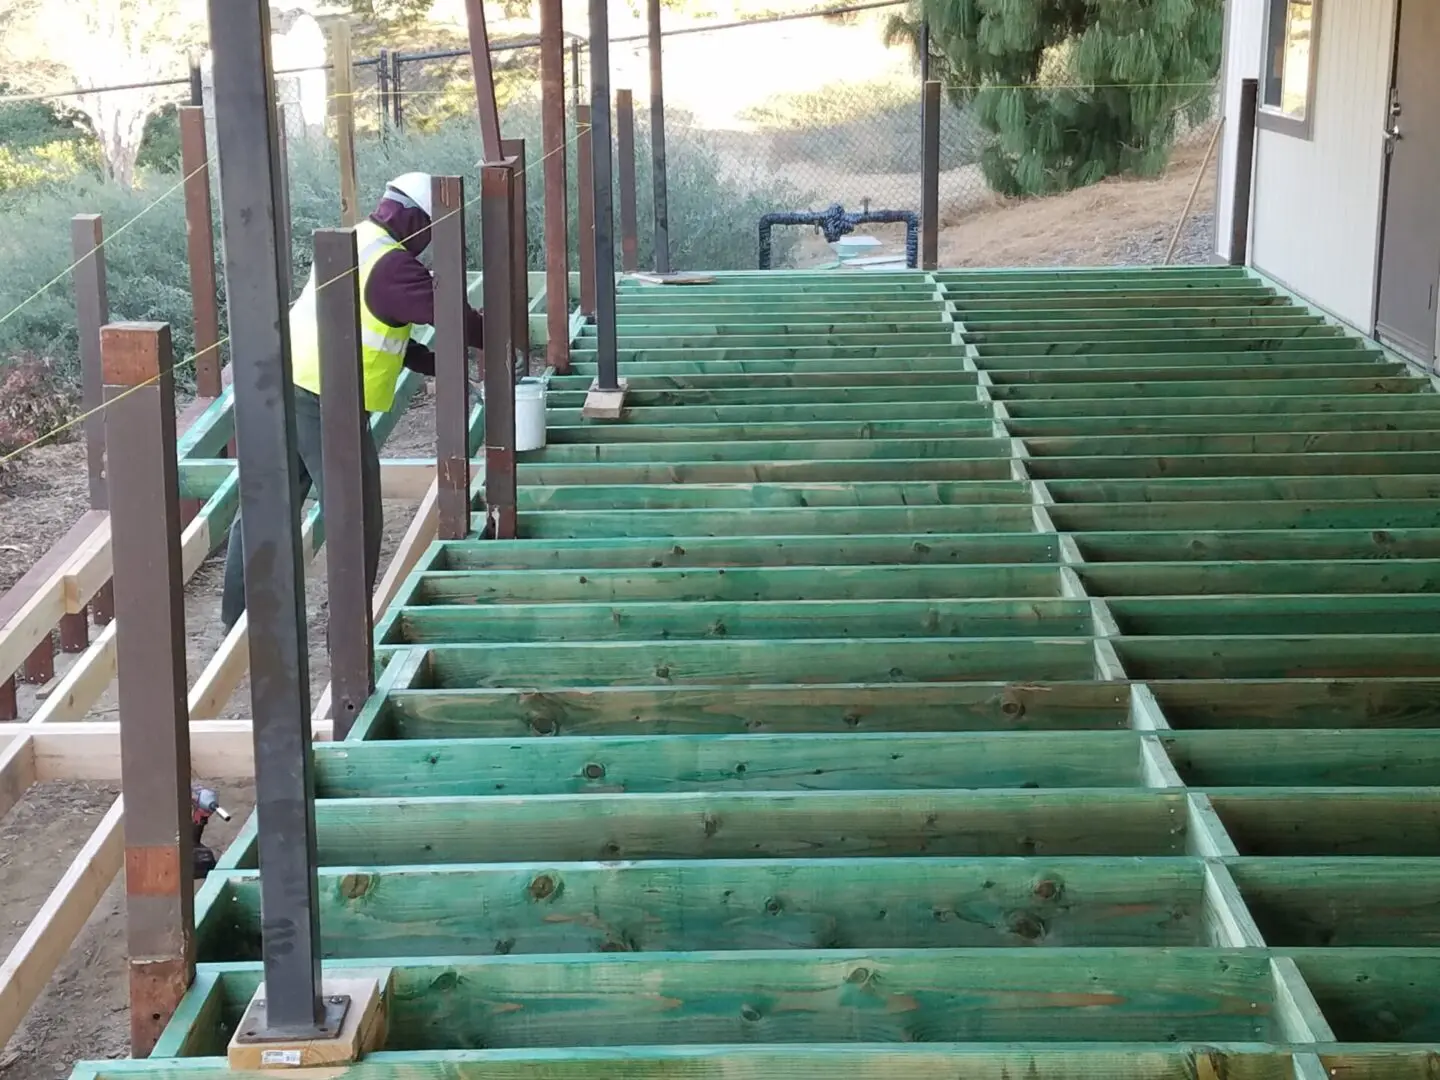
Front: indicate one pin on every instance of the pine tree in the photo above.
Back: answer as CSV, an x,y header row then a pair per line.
x,y
1073,91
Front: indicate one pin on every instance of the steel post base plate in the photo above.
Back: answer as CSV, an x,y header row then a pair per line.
x,y
254,1026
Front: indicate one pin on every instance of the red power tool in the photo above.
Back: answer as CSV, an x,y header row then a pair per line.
x,y
204,804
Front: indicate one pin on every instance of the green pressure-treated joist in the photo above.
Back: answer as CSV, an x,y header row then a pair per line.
x,y
1074,636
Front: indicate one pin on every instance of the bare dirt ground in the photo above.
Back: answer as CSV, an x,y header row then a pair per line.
x,y
82,1013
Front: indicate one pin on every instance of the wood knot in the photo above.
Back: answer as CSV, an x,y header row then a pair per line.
x,y
712,825
354,886
542,888
1027,926
772,905
859,976
594,771
1047,889
662,672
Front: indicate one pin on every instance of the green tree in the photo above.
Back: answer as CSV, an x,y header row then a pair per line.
x,y
1073,91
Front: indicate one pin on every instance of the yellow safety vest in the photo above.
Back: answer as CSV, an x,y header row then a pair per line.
x,y
382,347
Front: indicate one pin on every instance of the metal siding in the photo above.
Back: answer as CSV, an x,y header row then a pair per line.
x,y
1317,202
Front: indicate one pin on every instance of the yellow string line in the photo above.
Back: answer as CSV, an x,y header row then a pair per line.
x,y
189,360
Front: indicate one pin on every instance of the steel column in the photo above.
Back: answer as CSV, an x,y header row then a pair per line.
x,y
514,150
484,80
343,109
287,230
930,178
452,362
39,666
657,141
343,428
625,147
200,248
75,632
150,664
1244,172
586,205
9,705
557,210
497,209
602,181
87,236
270,501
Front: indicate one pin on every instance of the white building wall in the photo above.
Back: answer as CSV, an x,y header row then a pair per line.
x,y
1244,29
1316,217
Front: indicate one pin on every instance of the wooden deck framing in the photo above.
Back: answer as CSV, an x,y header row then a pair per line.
x,y
968,674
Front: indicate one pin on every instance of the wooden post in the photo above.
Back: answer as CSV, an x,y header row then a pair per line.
x,y
658,166
557,210
452,377
497,208
520,241
625,147
1244,172
200,247
586,201
484,80
342,90
150,662
343,427
930,177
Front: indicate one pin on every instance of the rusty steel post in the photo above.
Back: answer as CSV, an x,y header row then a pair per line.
x,y
657,141
150,663
520,241
75,632
625,147
930,177
39,666
9,702
102,605
343,110
484,80
497,209
557,210
343,428
200,248
602,182
87,236
452,361
586,203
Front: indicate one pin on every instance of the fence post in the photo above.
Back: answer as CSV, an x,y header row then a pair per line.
x,y
557,210
343,102
930,178
520,242
382,86
585,201
602,179
255,266
625,140
343,429
150,663
497,208
397,93
657,141
452,376
1244,172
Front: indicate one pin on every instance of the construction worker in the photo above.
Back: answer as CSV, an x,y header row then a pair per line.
x,y
397,292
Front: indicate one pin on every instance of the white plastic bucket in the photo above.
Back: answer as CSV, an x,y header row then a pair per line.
x,y
529,414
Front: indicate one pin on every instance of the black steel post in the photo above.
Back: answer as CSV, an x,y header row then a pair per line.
x,y
930,178
270,502
382,84
397,93
1244,172
602,164
344,427
657,142
924,49
197,81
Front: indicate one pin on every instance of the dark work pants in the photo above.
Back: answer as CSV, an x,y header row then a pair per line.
x,y
307,444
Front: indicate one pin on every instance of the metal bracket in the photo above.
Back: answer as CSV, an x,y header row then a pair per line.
x,y
254,1030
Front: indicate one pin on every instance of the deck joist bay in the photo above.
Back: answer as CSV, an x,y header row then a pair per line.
x,y
966,675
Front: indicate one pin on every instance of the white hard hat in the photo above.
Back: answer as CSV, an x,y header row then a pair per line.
x,y
412,189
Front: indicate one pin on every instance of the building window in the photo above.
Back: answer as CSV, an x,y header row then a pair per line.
x,y
1291,48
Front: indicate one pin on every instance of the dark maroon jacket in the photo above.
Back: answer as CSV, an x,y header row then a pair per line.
x,y
401,291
